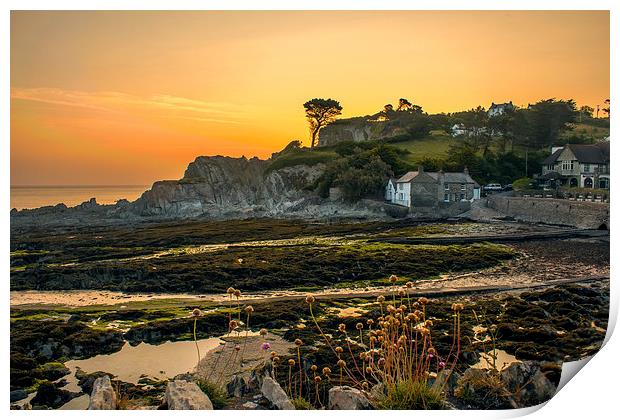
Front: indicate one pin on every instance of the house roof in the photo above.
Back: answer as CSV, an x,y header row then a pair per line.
x,y
584,153
449,177
504,105
553,157
408,176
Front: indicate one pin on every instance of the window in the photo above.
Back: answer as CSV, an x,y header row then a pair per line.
x,y
462,197
586,167
446,187
446,198
400,186
567,165
551,167
463,187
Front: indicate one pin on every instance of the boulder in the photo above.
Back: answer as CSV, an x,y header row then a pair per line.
x,y
347,398
529,385
184,395
103,396
239,385
275,394
483,389
18,394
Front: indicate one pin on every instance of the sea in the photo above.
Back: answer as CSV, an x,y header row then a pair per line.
x,y
29,197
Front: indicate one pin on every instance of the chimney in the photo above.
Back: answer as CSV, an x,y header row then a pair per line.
x,y
420,169
466,171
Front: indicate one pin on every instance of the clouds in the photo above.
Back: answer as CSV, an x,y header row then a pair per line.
x,y
158,105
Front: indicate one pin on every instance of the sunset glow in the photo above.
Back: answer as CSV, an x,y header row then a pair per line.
x,y
133,97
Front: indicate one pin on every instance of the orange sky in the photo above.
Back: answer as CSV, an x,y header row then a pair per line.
x,y
112,98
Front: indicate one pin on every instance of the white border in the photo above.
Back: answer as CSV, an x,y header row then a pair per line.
x,y
591,395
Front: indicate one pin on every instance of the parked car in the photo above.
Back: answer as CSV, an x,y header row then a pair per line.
x,y
493,187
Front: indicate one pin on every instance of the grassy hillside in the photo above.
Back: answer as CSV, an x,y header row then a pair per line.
x,y
595,132
435,145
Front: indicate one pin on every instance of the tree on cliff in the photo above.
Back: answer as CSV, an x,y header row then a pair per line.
x,y
319,113
403,105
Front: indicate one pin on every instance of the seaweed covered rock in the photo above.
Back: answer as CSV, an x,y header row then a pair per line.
x,y
527,383
49,395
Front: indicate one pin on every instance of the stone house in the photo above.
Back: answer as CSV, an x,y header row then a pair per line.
x,y
421,189
577,165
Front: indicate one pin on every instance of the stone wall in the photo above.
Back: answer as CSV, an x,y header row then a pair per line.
x,y
579,214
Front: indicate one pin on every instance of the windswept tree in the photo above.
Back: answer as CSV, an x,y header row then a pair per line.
x,y
388,108
319,113
403,105
606,107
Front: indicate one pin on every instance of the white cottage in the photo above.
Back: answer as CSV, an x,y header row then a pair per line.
x,y
429,189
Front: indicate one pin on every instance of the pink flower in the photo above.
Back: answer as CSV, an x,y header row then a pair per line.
x,y
265,346
442,365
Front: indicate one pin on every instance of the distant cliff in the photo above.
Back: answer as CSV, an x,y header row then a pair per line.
x,y
383,125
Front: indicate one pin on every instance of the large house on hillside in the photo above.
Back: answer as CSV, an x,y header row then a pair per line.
x,y
496,110
431,189
578,165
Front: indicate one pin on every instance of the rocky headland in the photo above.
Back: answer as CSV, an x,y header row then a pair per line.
x,y
213,187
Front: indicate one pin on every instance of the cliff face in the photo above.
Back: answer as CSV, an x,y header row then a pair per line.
x,y
220,186
358,130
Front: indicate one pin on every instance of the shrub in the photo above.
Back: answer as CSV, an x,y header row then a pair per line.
x,y
216,394
412,395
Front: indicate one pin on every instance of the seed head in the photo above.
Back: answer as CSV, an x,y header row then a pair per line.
x,y
317,379
230,291
310,299
263,331
401,293
370,322
249,309
326,371
342,328
368,369
409,285
276,360
380,299
237,293
233,324
298,342
341,363
313,368
393,278
196,312
423,301
365,385
273,354
291,362
339,350
457,307
428,323
237,348
359,326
